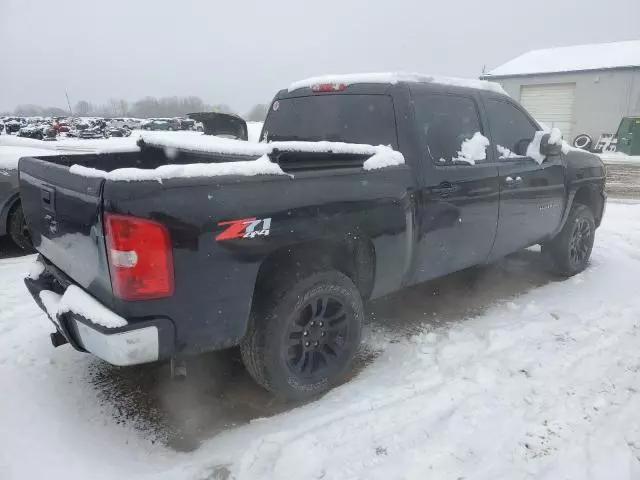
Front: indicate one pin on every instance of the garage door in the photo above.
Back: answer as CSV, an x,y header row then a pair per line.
x,y
551,104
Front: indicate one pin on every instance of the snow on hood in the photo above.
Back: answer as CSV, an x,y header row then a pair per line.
x,y
395,77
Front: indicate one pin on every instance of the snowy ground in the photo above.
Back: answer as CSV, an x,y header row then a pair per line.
x,y
619,158
510,374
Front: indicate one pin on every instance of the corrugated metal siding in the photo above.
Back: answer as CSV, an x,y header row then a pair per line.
x,y
551,104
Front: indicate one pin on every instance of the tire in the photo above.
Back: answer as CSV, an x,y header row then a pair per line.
x,y
17,229
583,141
303,334
570,250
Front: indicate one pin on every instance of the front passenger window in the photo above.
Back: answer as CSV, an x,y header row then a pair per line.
x,y
512,130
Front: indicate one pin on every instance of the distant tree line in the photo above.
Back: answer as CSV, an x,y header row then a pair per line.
x,y
146,107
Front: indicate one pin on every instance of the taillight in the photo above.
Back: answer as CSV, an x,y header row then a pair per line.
x,y
328,87
140,257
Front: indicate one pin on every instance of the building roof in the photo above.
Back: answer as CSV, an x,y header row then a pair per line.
x,y
571,59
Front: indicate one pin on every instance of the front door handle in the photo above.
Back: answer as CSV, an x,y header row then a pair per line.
x,y
445,189
513,182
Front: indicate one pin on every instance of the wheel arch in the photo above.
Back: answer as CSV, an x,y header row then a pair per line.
x,y
589,195
354,258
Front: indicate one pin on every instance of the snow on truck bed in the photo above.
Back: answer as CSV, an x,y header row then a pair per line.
x,y
543,385
380,157
396,77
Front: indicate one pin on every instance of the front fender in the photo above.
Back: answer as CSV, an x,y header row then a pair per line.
x,y
585,182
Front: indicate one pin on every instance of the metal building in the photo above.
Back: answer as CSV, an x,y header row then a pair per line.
x,y
584,89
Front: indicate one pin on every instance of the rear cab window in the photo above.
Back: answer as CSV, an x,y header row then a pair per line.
x,y
450,128
350,118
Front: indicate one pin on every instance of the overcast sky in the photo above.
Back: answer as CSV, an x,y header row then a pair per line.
x,y
240,52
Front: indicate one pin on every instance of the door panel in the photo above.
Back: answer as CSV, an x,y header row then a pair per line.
x,y
458,221
531,202
458,197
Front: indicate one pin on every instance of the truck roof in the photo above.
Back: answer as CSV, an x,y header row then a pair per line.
x,y
394,78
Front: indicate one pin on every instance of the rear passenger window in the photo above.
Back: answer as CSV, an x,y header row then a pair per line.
x,y
512,131
451,129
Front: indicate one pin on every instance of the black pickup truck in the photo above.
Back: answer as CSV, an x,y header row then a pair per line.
x,y
140,269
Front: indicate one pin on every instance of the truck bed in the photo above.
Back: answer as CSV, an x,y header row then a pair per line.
x,y
321,196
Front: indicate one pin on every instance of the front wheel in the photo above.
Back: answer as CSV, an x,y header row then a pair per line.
x,y
570,250
303,337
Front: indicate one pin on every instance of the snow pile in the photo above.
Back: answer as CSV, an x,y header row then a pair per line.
x,y
202,143
384,157
574,58
473,149
619,157
35,270
505,153
555,136
395,77
533,149
77,301
261,166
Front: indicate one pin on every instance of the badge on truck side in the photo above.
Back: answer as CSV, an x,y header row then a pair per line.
x,y
244,228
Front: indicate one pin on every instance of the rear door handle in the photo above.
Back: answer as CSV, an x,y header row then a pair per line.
x,y
445,189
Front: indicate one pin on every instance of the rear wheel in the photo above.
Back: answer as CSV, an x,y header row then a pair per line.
x,y
303,337
570,250
18,230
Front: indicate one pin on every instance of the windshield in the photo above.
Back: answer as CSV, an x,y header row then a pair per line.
x,y
337,118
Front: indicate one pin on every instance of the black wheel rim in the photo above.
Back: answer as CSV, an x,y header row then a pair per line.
x,y
580,241
317,337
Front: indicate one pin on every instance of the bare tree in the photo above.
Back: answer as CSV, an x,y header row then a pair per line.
x,y
123,107
54,112
83,108
28,110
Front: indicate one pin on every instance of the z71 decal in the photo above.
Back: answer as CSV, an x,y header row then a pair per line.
x,y
244,228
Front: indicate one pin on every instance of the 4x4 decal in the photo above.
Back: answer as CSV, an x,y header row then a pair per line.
x,y
244,228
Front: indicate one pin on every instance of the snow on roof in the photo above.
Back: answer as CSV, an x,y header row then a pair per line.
x,y
570,59
395,77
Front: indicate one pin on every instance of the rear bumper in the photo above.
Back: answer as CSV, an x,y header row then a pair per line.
x,y
89,326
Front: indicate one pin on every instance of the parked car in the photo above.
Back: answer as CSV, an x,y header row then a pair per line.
x,y
13,125
137,270
12,221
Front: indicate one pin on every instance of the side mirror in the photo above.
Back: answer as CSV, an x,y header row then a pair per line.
x,y
547,148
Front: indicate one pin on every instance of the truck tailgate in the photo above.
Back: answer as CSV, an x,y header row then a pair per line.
x,y
63,212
